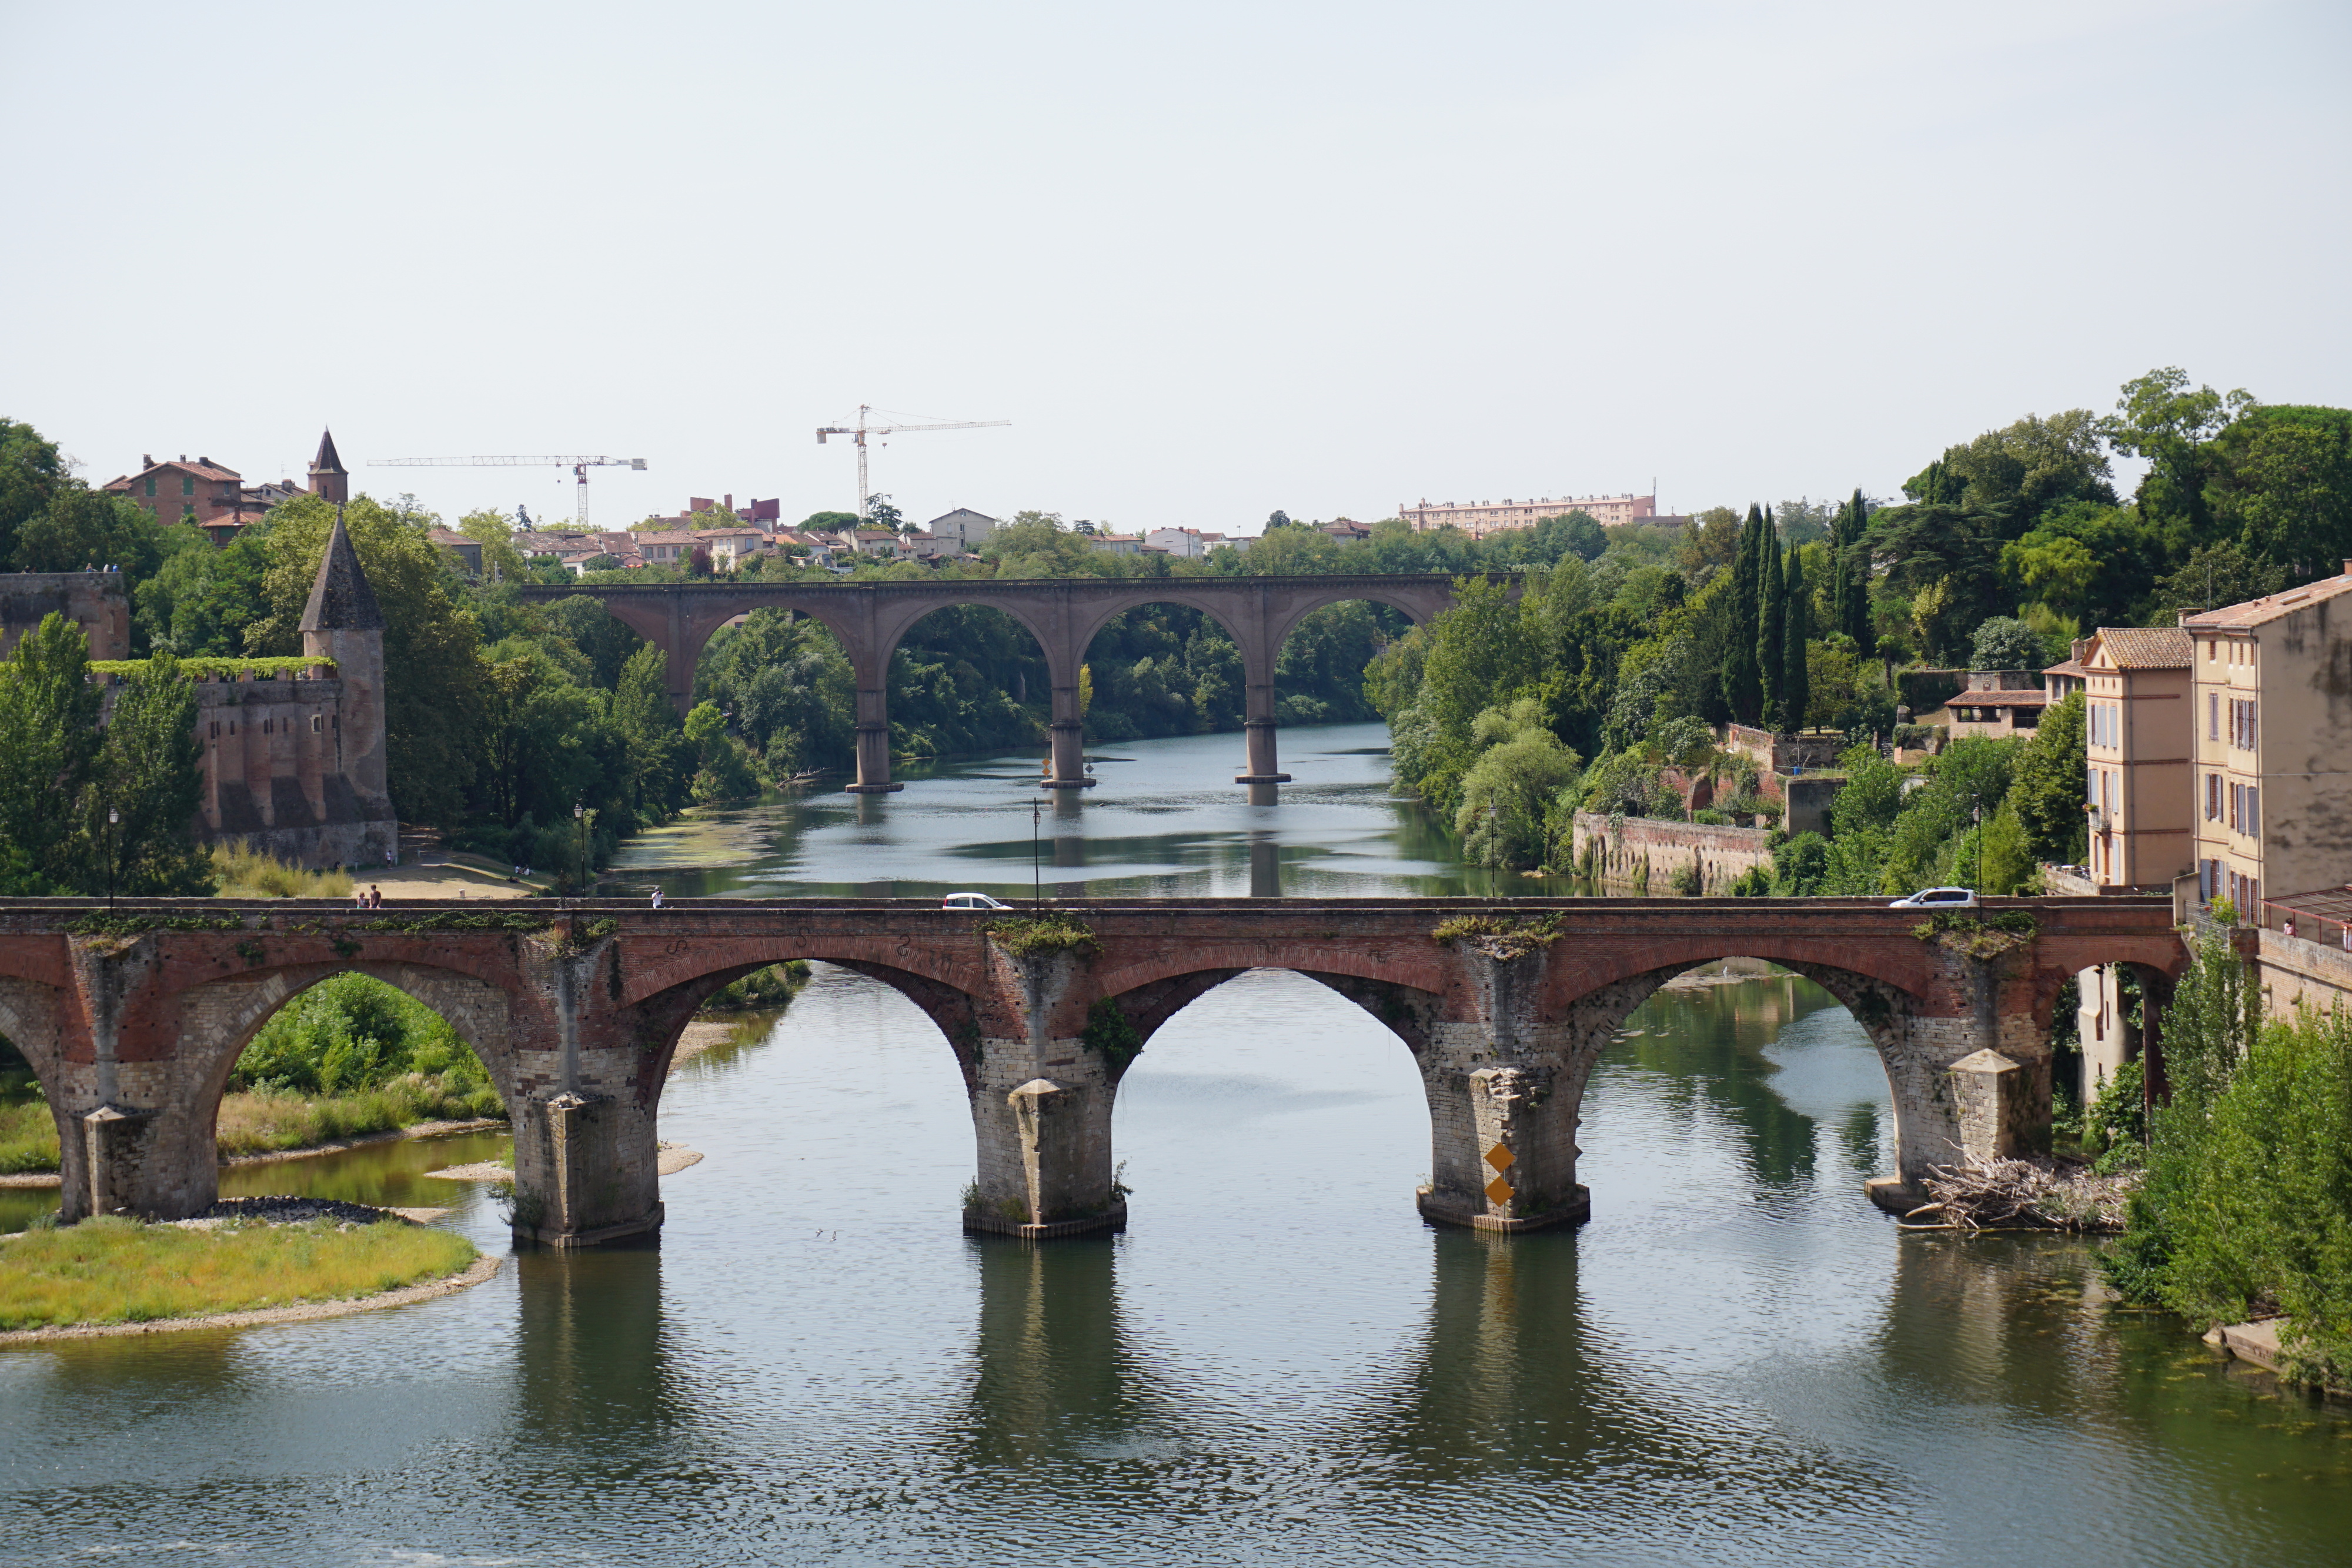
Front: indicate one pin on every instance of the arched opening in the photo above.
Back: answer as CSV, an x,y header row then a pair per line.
x,y
325,1058
787,691
967,679
1273,1088
1737,1074
1159,669
1320,668
30,1145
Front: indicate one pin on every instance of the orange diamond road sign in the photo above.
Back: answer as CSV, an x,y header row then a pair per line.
x,y
1499,1190
1500,1157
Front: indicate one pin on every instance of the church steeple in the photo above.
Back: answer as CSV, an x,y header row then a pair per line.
x,y
328,477
340,599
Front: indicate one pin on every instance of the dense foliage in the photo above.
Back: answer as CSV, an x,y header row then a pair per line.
x,y
2246,1207
351,1032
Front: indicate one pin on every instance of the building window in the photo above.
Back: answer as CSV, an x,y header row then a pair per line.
x,y
2242,724
151,487
2212,716
187,484
2212,798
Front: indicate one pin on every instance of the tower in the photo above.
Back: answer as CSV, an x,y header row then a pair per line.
x,y
330,480
344,623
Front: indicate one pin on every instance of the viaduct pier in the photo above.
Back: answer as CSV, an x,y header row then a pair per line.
x,y
134,1017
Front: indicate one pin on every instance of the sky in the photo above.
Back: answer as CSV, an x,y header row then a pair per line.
x,y
1210,260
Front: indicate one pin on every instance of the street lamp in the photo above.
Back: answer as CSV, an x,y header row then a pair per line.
x,y
113,818
580,848
1036,878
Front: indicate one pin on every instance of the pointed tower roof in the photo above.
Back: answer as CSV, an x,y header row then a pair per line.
x,y
341,600
326,462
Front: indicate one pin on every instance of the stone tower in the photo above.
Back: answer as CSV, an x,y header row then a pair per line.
x,y
330,480
344,623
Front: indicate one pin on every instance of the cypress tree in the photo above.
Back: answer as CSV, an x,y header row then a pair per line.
x,y
1771,629
1742,690
1854,609
1797,685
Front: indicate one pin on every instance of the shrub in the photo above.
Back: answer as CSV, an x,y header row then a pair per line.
x,y
352,1032
771,989
245,874
1037,936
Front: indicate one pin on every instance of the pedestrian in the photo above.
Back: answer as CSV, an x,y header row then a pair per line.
x,y
375,896
658,898
358,898
2290,925
2347,938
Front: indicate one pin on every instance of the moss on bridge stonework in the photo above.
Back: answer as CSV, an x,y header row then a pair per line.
x,y
1041,936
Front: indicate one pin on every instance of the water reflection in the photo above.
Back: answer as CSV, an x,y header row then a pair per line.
x,y
1053,1376
1168,821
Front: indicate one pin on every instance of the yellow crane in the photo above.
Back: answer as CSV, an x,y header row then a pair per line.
x,y
862,429
578,467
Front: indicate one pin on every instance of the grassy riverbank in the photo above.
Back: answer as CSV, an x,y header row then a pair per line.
x,y
116,1270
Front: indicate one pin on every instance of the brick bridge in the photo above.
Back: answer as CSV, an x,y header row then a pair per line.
x,y
133,1021
1063,613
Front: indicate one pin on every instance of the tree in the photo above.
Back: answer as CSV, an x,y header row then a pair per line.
x,y
1742,683
828,522
81,528
2049,786
881,514
1710,544
202,599
2283,482
2160,418
60,775
494,533
32,470
1277,519
49,746
1796,690
1510,815
2214,575
1576,534
1852,598
1771,634
649,726
2004,643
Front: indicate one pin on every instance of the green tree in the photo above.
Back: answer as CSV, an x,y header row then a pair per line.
x,y
1510,814
649,726
2161,418
2004,643
50,750
1771,634
2048,786
81,528
2282,483
202,599
32,471
1743,687
1710,544
150,775
881,514
2213,576
1796,638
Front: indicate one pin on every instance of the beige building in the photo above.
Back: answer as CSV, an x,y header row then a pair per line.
x,y
2135,697
2271,729
2004,704
1479,518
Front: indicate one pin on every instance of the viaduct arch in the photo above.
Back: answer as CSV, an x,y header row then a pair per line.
x,y
1063,613
133,1018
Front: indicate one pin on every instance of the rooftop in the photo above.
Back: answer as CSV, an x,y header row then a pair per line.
x,y
2271,606
2145,647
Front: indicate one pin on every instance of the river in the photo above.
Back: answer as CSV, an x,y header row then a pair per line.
x,y
1737,1361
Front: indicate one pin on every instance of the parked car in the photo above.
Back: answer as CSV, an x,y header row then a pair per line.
x,y
972,900
1938,898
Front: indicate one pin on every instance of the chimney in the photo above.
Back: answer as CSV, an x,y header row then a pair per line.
x,y
727,501
146,460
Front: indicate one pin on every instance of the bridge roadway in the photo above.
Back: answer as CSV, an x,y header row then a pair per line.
x,y
1063,613
133,1020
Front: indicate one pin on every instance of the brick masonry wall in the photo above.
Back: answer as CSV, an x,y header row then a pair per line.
x,y
1722,854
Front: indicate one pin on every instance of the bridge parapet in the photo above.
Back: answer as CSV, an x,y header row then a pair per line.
x,y
134,1018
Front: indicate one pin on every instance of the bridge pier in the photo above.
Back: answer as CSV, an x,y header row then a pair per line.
x,y
1041,1108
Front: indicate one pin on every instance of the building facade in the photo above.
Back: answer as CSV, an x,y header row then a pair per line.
x,y
2271,722
212,496
1479,518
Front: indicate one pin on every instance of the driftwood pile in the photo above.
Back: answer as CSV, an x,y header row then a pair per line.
x,y
2021,1194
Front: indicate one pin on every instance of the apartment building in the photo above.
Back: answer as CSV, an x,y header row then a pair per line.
x,y
2271,726
1189,544
2136,726
1479,518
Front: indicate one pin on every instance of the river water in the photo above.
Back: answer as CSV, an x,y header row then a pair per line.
x,y
1737,1361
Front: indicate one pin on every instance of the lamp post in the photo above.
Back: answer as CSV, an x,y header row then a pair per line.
x,y
580,848
113,818
1036,877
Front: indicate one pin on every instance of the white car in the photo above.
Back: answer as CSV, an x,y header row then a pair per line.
x,y
970,901
1938,898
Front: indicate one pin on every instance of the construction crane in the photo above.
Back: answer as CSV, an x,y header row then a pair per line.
x,y
861,430
578,467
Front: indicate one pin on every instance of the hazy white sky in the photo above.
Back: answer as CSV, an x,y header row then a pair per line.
x,y
1211,259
